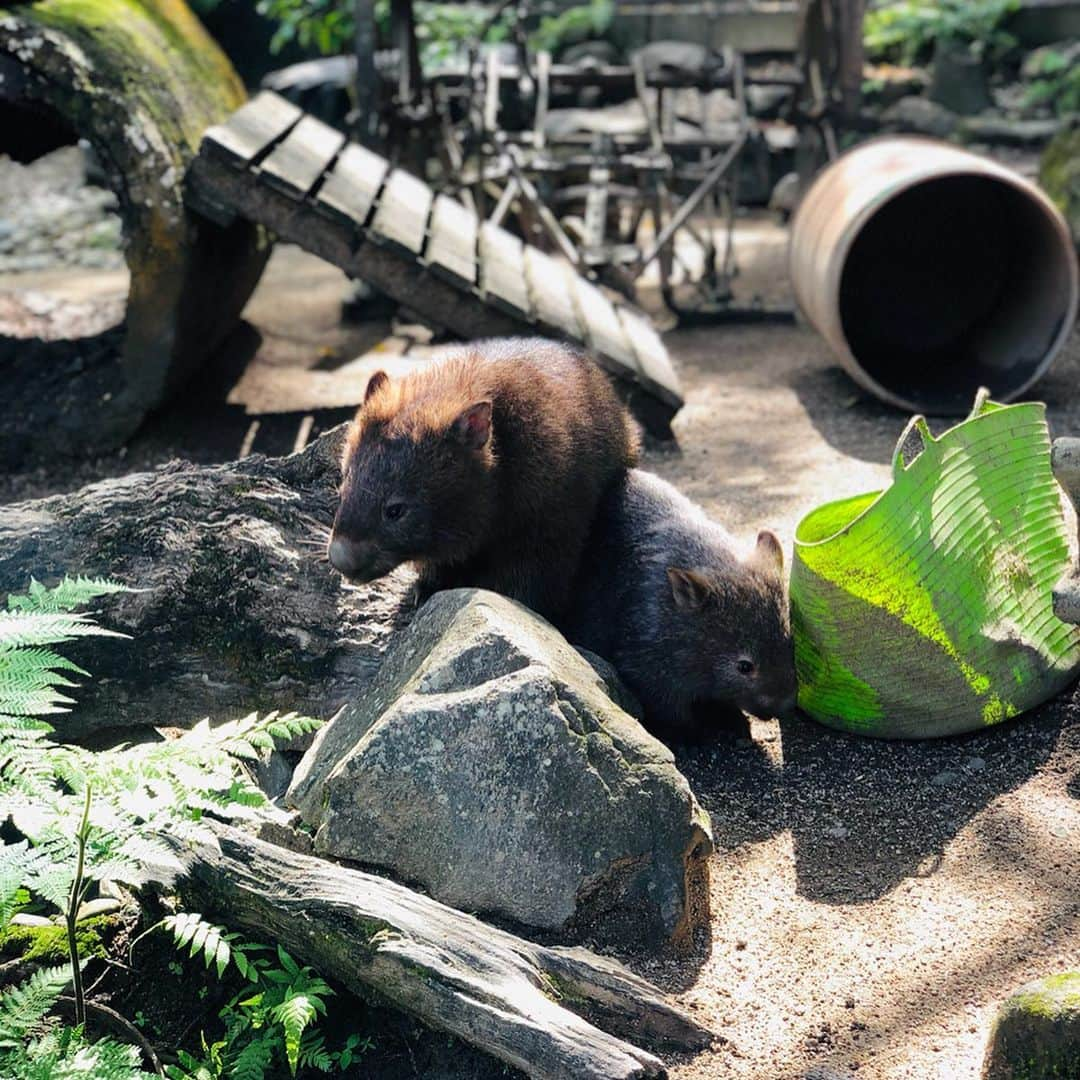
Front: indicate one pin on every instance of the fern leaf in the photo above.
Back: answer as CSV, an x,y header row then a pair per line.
x,y
294,1014
253,1060
18,629
68,595
23,1006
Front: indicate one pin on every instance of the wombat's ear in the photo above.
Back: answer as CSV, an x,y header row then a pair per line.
x,y
769,551
473,427
375,384
689,588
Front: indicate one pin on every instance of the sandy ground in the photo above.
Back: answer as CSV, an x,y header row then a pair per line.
x,y
871,901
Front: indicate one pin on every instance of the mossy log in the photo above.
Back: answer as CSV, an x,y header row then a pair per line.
x,y
141,80
1059,174
514,999
239,609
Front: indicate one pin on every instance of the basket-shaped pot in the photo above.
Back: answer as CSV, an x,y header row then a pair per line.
x,y
924,610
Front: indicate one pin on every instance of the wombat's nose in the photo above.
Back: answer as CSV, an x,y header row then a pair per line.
x,y
785,707
347,556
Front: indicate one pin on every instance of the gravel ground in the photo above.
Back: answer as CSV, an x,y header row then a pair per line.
x,y
871,901
50,216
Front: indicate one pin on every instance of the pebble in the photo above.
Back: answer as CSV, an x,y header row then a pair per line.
x,y
945,778
975,764
837,832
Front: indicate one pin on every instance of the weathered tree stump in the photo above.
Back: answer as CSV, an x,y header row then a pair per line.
x,y
504,994
239,608
140,80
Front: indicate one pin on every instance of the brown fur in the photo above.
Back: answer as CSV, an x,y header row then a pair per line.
x,y
498,456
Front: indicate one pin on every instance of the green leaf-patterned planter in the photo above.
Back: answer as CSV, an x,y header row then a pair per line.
x,y
924,610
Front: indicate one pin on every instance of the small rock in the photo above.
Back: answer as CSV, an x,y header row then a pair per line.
x,y
920,115
1036,1033
975,764
837,832
945,778
785,196
1003,131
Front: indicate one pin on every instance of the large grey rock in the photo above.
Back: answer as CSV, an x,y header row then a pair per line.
x,y
1036,1033
487,762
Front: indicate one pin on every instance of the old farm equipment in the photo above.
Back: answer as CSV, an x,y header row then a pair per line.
x,y
626,165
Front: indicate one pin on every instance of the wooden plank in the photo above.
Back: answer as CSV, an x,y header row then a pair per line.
x,y
452,245
549,285
603,331
349,192
654,363
502,269
297,162
402,213
250,130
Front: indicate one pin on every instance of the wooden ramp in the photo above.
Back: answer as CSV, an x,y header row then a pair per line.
x,y
271,164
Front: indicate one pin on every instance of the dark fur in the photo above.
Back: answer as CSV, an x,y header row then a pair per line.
x,y
505,507
664,596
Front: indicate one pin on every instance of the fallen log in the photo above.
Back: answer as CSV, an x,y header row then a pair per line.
x,y
508,996
239,609
140,81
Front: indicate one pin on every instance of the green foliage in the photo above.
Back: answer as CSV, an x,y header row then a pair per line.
x,y
442,30
31,673
1056,83
583,22
269,1023
907,31
70,840
34,1048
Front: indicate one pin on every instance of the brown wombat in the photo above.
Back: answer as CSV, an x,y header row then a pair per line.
x,y
698,633
485,470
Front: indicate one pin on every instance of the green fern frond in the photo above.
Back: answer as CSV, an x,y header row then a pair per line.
x,y
253,1060
18,862
294,1014
19,629
23,1007
68,595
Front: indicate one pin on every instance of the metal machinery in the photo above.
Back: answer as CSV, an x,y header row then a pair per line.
x,y
645,180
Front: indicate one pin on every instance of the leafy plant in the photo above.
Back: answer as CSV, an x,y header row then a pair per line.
x,y
87,816
1056,82
442,30
34,1048
579,23
907,31
269,1023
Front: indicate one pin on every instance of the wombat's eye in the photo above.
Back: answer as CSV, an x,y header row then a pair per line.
x,y
393,510
745,667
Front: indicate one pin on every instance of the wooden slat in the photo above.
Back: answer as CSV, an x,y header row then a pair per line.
x,y
296,163
349,192
603,331
252,128
502,268
452,245
549,290
402,213
652,357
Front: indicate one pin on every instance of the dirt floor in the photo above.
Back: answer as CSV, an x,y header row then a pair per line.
x,y
871,901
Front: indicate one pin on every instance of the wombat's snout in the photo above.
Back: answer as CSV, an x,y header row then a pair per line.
x,y
781,708
353,558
